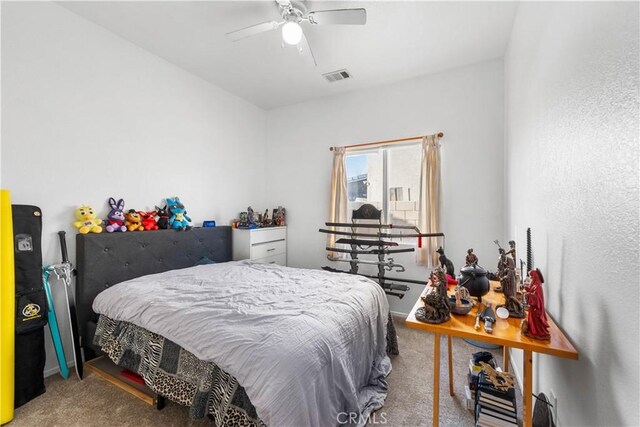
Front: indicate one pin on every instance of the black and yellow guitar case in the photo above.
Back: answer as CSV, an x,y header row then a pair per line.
x,y
30,304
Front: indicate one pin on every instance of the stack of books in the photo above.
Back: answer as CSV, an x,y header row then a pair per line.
x,y
494,407
472,384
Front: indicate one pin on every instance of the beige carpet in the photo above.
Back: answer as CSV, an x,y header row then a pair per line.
x,y
95,402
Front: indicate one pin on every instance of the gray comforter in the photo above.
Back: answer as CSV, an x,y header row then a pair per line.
x,y
308,346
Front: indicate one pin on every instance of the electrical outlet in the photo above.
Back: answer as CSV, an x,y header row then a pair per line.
x,y
554,401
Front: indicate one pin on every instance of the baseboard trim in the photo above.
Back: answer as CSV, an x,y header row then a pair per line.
x,y
56,369
398,314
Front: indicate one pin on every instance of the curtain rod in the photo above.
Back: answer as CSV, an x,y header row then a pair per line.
x,y
389,141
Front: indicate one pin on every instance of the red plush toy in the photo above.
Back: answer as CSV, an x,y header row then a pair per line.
x,y
149,220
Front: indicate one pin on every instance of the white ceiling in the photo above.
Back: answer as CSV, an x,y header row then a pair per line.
x,y
400,40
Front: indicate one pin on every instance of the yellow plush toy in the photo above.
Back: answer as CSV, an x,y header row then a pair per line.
x,y
87,222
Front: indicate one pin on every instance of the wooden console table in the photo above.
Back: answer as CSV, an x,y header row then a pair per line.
x,y
506,332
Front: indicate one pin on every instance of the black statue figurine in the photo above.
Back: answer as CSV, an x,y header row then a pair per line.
x,y
446,263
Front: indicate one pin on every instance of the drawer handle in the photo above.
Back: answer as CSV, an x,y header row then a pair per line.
x,y
272,249
268,242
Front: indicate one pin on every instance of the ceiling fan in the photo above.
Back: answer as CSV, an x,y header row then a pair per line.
x,y
294,13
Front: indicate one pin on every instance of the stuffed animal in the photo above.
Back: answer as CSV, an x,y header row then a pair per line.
x,y
149,220
133,220
87,221
163,218
179,219
115,219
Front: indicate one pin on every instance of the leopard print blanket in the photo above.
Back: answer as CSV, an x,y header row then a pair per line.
x,y
178,375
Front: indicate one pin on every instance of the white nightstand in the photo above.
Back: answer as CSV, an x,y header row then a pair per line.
x,y
266,245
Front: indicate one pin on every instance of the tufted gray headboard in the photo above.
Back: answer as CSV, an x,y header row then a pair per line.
x,y
109,258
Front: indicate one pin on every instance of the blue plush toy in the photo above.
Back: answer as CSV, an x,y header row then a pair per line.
x,y
179,219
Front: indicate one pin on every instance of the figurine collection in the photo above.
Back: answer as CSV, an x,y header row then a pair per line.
x,y
521,300
250,219
172,216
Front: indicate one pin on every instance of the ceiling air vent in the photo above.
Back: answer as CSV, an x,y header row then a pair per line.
x,y
335,76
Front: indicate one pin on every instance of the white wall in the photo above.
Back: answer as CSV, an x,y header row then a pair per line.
x,y
87,115
572,176
465,103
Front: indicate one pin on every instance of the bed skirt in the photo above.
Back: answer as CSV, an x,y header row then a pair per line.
x,y
176,374
179,376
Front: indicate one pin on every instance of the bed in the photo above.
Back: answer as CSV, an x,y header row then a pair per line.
x,y
245,343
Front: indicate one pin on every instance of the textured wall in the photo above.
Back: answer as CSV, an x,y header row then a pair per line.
x,y
572,176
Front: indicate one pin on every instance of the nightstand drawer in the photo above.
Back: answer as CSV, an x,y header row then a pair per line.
x,y
267,249
260,243
268,235
280,259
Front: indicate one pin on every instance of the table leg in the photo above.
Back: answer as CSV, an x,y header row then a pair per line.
x,y
505,358
436,379
451,393
527,389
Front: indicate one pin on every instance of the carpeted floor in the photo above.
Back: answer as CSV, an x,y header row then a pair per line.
x,y
95,402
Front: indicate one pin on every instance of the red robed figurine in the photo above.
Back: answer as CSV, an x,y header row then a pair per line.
x,y
536,325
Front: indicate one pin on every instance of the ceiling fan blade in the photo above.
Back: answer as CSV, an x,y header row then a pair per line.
x,y
304,47
339,17
253,30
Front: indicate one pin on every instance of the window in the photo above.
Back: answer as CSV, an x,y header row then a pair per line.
x,y
389,179
364,179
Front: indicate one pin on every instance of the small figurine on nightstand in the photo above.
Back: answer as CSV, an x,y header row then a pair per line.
x,y
471,258
279,217
283,215
251,216
536,324
266,222
244,220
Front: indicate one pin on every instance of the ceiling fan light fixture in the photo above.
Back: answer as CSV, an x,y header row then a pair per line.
x,y
291,33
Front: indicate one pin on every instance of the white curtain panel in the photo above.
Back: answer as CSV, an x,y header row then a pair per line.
x,y
430,199
338,203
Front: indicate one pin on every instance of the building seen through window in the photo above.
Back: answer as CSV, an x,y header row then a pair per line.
x,y
389,179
